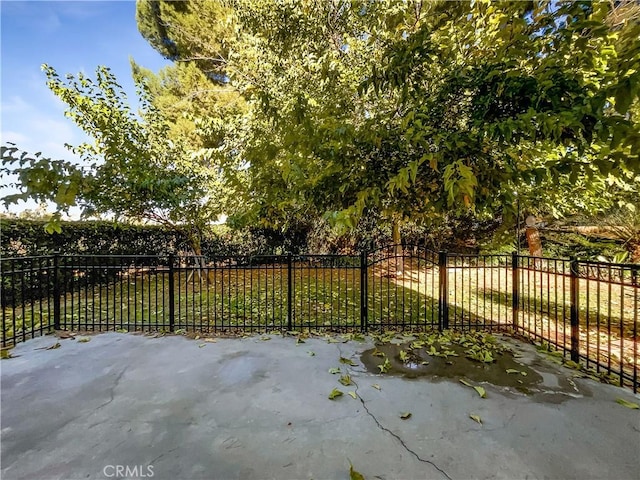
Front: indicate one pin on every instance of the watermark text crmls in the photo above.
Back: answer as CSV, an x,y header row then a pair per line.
x,y
128,471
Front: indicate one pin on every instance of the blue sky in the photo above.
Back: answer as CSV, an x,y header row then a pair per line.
x,y
72,37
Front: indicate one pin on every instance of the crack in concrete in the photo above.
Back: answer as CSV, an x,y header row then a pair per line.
x,y
394,435
112,390
397,437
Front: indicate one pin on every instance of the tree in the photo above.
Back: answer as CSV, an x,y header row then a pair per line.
x,y
132,170
415,109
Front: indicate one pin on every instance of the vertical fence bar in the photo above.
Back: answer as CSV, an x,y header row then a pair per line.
x,y
172,309
289,293
56,291
443,300
363,291
515,290
634,283
575,327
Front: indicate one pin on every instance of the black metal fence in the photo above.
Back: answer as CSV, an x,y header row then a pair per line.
x,y
588,311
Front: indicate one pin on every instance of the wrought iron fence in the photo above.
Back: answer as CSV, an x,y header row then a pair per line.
x,y
587,311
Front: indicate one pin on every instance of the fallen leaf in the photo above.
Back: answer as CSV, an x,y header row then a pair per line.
x,y
626,403
197,337
299,340
54,346
311,354
385,367
405,415
264,339
352,394
475,418
334,370
376,386
377,353
354,475
202,345
210,340
512,370
345,380
424,363
348,361
84,340
404,356
335,393
4,354
464,382
481,391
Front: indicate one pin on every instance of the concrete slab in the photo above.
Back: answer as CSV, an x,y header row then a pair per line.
x,y
176,408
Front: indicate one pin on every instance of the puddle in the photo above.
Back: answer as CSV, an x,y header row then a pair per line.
x,y
545,386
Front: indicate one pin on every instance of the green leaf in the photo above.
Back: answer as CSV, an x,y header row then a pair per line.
x,y
405,415
352,394
335,393
475,418
512,370
623,98
385,366
84,340
334,370
348,361
464,382
481,391
628,404
345,380
354,475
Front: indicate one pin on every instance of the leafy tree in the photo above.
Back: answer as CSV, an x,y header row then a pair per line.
x,y
415,109
131,170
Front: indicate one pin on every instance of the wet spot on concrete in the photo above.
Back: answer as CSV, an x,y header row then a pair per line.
x,y
506,370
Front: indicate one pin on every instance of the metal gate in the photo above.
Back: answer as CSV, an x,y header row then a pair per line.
x,y
402,288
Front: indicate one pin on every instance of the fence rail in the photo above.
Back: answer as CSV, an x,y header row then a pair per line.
x,y
586,310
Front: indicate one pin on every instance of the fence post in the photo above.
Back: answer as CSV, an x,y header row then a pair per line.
x,y
515,290
172,307
575,327
289,293
363,292
56,291
443,292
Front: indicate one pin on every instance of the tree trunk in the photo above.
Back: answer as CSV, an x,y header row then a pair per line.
x,y
397,241
196,246
634,250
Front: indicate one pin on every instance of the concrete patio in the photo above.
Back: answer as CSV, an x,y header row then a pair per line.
x,y
249,408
